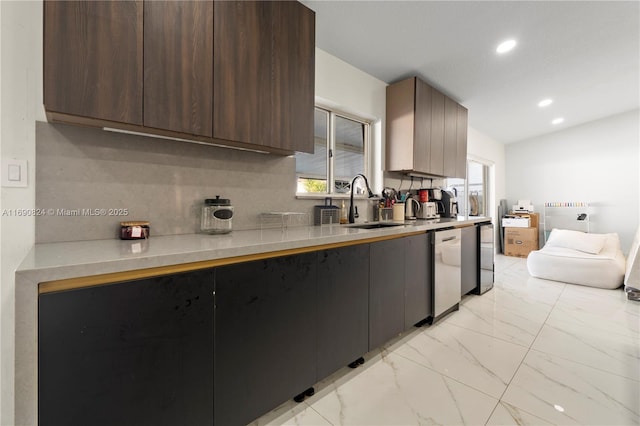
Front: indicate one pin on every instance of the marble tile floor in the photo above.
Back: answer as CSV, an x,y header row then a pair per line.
x,y
528,352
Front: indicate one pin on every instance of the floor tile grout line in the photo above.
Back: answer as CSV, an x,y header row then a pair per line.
x,y
491,335
444,375
512,409
529,349
320,414
571,361
522,345
562,357
525,356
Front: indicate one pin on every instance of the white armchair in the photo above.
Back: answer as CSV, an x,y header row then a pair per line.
x,y
575,257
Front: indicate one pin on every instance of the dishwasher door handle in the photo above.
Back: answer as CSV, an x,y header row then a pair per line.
x,y
448,239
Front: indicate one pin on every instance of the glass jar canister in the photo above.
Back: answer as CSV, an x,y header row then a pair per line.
x,y
217,216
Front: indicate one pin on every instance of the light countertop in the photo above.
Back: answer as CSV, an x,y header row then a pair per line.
x,y
81,259
55,261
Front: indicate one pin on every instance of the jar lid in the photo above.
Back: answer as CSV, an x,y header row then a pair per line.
x,y
218,201
135,223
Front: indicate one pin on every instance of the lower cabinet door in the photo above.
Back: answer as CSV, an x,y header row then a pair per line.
x,y
386,291
343,307
131,353
264,335
418,280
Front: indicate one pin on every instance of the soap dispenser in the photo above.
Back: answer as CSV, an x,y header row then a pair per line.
x,y
343,214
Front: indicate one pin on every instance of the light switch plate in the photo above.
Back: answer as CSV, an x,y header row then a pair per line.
x,y
14,173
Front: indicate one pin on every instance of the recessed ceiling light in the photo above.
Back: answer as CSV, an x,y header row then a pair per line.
x,y
557,120
545,102
506,46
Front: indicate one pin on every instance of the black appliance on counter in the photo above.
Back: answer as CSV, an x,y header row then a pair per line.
x,y
448,206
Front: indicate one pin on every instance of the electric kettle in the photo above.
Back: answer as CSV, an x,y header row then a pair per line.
x,y
409,211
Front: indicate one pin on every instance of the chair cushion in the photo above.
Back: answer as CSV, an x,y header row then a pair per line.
x,y
576,240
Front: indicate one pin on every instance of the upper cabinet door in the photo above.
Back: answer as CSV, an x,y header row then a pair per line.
x,y
178,66
437,133
422,132
93,59
461,141
426,132
293,85
242,71
450,144
263,73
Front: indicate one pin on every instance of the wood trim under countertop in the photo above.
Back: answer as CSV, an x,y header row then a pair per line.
x,y
114,277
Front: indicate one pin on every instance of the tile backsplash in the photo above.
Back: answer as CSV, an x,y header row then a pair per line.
x,y
89,180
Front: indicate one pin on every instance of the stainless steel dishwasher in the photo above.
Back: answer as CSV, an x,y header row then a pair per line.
x,y
447,273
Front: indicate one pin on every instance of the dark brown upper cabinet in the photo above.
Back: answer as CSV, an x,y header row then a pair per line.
x,y
93,59
408,121
178,66
450,153
426,131
462,117
239,74
264,73
294,67
436,151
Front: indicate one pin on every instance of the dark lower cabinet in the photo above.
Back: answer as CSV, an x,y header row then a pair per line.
x,y
264,335
418,280
343,307
386,291
223,346
131,353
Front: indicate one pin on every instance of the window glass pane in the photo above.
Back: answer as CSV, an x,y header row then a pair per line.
x,y
348,155
311,169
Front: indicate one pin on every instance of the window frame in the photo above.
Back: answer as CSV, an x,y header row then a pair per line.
x,y
487,187
331,147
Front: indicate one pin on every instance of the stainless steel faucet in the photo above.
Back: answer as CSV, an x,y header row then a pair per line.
x,y
352,218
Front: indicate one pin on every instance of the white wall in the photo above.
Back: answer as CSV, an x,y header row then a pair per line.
x,y
20,92
596,162
341,86
488,151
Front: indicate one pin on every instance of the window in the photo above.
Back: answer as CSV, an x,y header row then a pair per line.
x,y
341,144
476,186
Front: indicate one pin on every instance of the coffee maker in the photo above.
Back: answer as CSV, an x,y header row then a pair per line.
x,y
449,204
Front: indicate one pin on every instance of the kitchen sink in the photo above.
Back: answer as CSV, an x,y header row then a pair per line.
x,y
375,225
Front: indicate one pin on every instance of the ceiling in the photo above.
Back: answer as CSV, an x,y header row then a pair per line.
x,y
582,54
